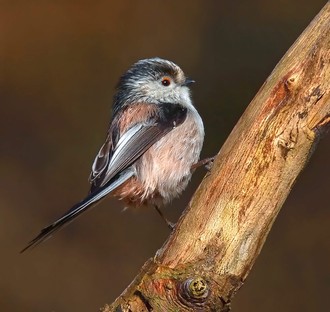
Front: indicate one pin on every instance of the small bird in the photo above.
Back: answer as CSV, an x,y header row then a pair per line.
x,y
152,146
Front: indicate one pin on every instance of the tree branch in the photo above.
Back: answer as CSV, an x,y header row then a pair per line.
x,y
218,238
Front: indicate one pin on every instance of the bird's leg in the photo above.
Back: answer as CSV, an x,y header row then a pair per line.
x,y
169,223
207,162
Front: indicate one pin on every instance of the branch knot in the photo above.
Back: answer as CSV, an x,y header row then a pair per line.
x,y
194,290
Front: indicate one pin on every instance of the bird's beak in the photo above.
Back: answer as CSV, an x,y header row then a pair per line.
x,y
188,81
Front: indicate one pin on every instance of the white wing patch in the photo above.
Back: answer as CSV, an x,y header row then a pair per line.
x,y
122,145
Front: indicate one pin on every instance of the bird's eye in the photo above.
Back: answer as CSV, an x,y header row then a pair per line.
x,y
166,81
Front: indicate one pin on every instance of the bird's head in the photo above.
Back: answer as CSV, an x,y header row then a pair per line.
x,y
153,80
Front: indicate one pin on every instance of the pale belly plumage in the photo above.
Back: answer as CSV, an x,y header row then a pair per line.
x,y
165,169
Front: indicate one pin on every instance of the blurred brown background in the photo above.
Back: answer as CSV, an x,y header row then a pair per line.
x,y
59,62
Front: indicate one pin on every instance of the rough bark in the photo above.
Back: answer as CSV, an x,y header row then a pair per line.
x,y
218,238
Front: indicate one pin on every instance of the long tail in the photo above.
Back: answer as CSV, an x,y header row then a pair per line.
x,y
78,209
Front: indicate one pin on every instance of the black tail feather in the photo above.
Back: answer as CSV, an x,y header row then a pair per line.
x,y
90,201
73,213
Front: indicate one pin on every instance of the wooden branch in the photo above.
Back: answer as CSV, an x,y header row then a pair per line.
x,y
219,236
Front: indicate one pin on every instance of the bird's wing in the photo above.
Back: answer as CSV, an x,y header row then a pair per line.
x,y
117,168
142,131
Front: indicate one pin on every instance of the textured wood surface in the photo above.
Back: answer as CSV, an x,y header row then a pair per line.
x,y
218,238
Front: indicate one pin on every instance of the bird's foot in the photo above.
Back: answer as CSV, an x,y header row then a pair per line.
x,y
207,163
170,224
